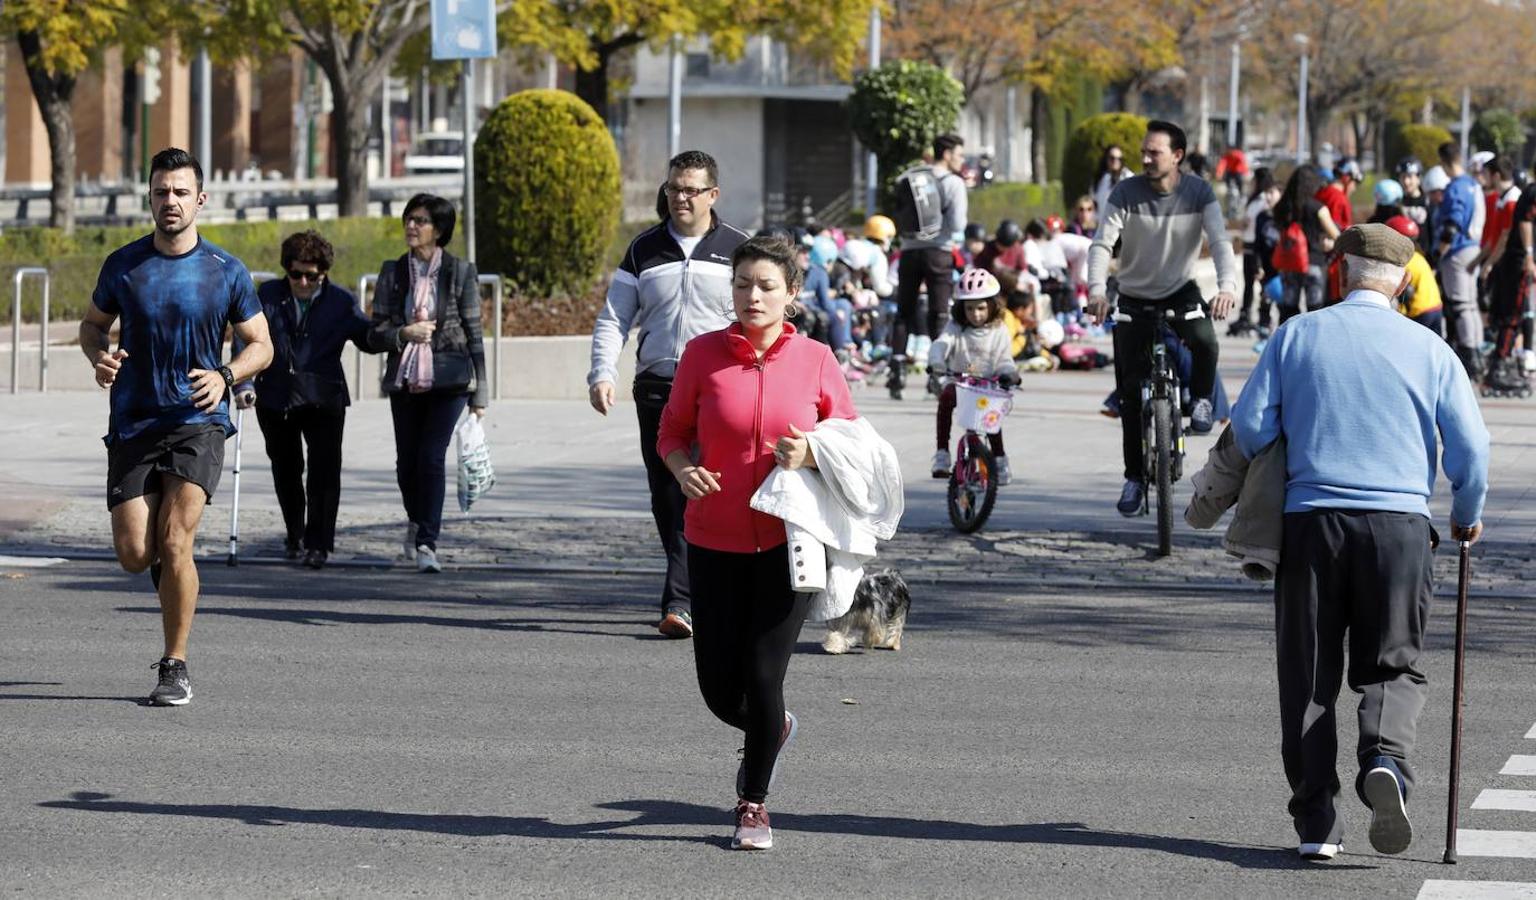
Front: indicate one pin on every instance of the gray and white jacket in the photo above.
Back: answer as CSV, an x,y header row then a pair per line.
x,y
670,298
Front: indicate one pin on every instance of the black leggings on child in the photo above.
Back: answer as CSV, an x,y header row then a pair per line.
x,y
746,620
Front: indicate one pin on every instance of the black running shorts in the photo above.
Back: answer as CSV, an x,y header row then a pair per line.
x,y
194,453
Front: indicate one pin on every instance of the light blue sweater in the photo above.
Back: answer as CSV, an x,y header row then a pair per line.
x,y
1362,393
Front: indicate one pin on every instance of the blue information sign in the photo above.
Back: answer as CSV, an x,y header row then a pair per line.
x,y
463,29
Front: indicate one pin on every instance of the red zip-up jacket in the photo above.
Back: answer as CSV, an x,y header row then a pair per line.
x,y
735,406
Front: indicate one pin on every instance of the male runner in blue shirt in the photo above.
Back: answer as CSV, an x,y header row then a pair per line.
x,y
174,292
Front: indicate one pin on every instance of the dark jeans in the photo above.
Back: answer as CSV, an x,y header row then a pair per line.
x,y
746,620
1366,576
1301,286
423,427
1255,273
667,501
1133,364
946,421
288,434
936,269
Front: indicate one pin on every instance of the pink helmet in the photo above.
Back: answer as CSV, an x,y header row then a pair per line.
x,y
977,284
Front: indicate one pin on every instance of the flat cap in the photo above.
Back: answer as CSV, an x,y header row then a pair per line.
x,y
1375,241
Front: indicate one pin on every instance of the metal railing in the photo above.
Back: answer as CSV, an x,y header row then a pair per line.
x,y
364,303
22,274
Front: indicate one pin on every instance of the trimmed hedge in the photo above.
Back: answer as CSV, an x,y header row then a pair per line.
x,y
1090,139
1016,200
1422,141
548,195
897,109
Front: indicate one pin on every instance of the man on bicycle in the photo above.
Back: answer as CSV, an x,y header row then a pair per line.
x,y
1158,218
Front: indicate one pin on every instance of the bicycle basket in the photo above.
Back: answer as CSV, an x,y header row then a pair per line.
x,y
981,408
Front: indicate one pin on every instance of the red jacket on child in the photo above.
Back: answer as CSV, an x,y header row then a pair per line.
x,y
735,406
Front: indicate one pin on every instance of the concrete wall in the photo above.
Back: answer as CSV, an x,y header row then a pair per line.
x,y
729,129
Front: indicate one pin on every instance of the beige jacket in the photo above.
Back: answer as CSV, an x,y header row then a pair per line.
x,y
1257,486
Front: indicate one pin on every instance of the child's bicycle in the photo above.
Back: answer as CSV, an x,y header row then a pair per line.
x,y
981,404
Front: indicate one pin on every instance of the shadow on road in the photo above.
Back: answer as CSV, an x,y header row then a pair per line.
x,y
664,813
538,625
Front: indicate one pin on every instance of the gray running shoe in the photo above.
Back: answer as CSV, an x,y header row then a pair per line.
x,y
174,689
426,560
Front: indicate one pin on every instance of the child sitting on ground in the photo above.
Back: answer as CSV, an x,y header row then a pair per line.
x,y
977,343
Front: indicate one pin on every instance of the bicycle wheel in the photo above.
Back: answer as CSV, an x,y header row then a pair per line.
x,y
972,484
1162,431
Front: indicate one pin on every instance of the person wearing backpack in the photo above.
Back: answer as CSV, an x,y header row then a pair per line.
x,y
1307,233
929,237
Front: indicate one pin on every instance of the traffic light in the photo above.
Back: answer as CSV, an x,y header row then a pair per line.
x,y
151,80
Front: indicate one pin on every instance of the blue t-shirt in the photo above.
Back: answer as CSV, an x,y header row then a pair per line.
x,y
172,310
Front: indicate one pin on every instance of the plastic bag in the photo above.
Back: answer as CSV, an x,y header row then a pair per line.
x,y
476,475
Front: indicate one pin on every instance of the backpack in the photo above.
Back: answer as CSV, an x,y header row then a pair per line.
x,y
919,206
1291,252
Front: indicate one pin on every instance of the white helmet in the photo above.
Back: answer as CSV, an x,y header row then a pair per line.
x,y
1050,333
1435,179
857,254
977,284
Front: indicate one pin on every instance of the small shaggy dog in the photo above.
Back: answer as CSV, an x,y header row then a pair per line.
x,y
879,613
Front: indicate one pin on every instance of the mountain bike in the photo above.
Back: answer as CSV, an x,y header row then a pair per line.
x,y
980,407
1162,419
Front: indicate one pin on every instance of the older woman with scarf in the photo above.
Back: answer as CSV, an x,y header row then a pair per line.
x,y
426,313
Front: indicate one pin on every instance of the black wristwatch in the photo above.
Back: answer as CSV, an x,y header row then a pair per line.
x,y
229,378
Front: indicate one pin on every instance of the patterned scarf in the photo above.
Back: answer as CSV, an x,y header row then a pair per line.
x,y
416,360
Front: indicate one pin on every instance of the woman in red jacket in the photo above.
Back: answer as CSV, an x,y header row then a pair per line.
x,y
745,397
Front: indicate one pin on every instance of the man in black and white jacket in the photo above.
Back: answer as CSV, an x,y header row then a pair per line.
x,y
673,285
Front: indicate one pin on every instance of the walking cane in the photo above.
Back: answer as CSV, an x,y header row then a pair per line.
x,y
234,507
1464,570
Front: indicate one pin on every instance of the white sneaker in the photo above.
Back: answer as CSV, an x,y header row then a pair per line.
x,y
1004,472
426,560
1528,362
1319,852
408,545
941,464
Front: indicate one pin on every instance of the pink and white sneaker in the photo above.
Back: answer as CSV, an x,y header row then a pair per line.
x,y
752,829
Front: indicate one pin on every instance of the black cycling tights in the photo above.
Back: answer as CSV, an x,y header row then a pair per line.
x,y
746,620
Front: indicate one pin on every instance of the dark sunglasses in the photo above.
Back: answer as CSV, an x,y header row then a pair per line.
x,y
307,277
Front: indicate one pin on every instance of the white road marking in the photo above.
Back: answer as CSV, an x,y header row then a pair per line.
x,y
1519,765
1522,801
1531,735
1508,844
1436,889
29,562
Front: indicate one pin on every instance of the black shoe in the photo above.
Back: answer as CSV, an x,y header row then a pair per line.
x,y
1132,498
174,689
315,559
293,550
1391,832
154,574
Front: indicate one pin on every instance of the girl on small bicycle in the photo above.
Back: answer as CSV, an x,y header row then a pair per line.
x,y
975,343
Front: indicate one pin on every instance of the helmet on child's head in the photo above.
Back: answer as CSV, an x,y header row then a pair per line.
x,y
823,250
1436,179
1388,192
1050,333
880,228
1009,233
975,231
1348,168
1054,225
1409,165
977,284
857,254
1404,226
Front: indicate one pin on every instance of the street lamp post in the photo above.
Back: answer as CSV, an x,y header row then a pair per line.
x,y
871,163
1232,85
1301,101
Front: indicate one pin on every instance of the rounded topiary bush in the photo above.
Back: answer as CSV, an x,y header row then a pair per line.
x,y
1422,141
898,108
547,193
1090,139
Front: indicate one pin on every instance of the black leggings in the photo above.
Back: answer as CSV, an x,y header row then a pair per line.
x,y
746,621
917,267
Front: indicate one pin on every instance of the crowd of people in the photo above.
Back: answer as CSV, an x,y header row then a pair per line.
x,y
746,349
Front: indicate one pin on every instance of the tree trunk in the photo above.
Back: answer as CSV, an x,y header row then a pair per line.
x,y
1038,114
593,86
1360,125
350,141
54,94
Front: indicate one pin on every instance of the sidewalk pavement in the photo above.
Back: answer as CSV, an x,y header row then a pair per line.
x,y
571,491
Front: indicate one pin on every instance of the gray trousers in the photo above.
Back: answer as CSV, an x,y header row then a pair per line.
x,y
1463,320
1366,576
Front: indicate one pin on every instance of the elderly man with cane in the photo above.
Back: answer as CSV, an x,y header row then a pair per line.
x,y
1362,395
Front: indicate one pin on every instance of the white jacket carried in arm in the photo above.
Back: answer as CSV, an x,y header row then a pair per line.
x,y
835,513
985,352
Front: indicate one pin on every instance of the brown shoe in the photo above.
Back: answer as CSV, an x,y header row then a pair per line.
x,y
752,829
677,623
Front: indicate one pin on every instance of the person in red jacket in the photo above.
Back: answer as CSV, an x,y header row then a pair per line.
x,y
744,397
1335,194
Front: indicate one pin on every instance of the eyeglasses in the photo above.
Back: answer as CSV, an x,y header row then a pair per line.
x,y
305,277
687,193
420,221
